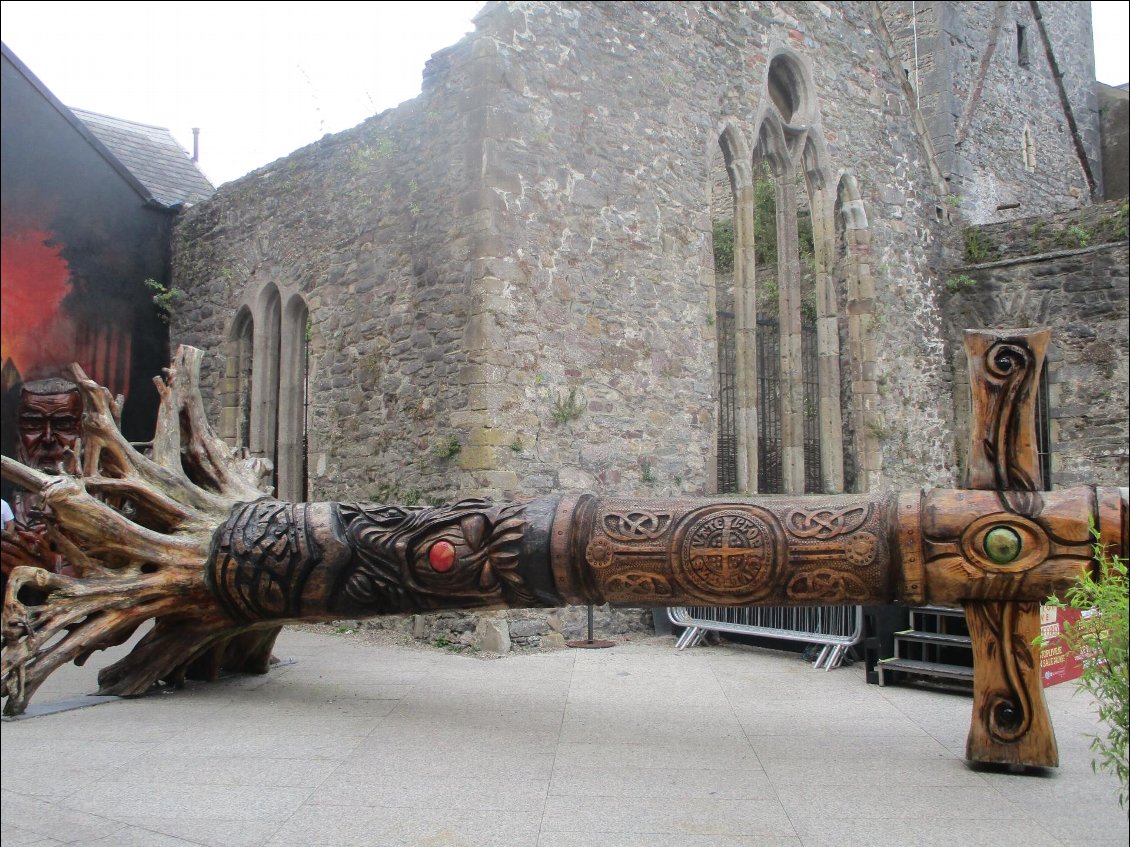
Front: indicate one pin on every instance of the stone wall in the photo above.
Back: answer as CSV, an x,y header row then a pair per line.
x,y
1114,113
510,280
604,280
1067,272
1004,142
372,227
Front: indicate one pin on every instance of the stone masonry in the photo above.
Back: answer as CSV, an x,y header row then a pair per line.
x,y
507,284
1067,272
1008,98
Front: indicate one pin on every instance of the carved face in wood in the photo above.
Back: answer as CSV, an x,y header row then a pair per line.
x,y
50,425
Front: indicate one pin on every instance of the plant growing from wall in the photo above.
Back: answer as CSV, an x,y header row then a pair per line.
x,y
956,283
977,245
568,408
1080,235
724,246
448,449
1113,227
391,493
1101,638
165,299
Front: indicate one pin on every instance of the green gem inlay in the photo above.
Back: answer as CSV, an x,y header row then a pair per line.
x,y
1002,544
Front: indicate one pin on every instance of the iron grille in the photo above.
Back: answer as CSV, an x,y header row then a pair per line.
x,y
770,476
810,366
727,405
1043,430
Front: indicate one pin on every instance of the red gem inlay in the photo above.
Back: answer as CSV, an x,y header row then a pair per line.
x,y
441,556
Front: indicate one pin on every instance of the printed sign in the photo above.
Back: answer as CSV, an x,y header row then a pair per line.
x,y
1058,663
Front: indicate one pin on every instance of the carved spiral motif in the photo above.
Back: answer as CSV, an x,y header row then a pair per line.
x,y
1010,363
1005,357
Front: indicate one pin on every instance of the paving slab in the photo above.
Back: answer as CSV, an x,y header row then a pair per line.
x,y
351,743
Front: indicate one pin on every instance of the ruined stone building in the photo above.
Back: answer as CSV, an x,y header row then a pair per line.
x,y
674,248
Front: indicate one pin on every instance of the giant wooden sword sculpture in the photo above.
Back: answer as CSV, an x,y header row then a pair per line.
x,y
184,537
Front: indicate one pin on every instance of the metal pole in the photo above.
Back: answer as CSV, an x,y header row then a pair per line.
x,y
590,643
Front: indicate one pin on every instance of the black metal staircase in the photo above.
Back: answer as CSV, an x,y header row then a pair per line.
x,y
936,650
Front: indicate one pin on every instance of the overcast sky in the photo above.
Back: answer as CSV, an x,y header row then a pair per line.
x,y
263,79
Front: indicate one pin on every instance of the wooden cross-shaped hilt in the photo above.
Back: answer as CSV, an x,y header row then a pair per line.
x,y
1010,723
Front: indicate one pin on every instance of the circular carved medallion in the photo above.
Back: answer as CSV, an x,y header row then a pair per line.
x,y
728,552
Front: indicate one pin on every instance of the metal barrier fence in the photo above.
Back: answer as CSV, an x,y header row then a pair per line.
x,y
837,628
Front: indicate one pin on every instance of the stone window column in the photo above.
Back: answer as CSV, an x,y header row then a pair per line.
x,y
265,378
291,448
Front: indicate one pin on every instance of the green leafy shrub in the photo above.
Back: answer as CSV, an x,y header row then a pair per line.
x,y
165,299
568,408
448,449
724,246
956,283
1101,638
977,245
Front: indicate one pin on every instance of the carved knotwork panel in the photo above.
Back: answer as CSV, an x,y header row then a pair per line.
x,y
262,559
776,552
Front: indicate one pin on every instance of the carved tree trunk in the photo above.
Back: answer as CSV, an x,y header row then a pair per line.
x,y
136,530
186,538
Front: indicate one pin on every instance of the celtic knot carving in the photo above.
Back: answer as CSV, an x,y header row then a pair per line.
x,y
826,523
636,526
637,584
827,587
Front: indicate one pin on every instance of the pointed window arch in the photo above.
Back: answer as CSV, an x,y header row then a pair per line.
x,y
265,381
264,392
736,317
786,310
235,421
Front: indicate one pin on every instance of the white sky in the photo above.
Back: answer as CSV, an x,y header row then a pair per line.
x,y
263,79
259,79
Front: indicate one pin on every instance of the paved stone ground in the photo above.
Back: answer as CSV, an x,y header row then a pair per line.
x,y
641,745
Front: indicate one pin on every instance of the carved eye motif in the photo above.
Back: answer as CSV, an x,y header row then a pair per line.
x,y
1002,544
1005,543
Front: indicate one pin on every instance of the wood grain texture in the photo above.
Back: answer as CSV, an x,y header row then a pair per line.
x,y
1010,722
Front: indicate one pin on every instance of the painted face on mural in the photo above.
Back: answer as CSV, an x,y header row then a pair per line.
x,y
50,426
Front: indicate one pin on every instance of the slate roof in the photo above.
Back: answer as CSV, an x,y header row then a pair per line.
x,y
152,155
